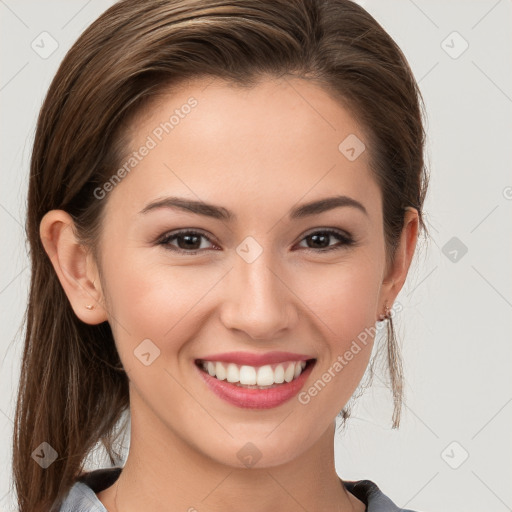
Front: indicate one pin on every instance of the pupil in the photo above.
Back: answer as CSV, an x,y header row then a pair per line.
x,y
188,238
316,237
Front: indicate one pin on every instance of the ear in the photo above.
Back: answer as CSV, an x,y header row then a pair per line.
x,y
74,265
396,275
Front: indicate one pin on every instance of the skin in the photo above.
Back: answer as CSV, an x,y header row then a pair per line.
x,y
258,152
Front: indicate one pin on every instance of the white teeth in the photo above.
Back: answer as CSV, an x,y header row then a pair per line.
x,y
289,373
247,375
279,374
254,376
220,371
265,376
232,373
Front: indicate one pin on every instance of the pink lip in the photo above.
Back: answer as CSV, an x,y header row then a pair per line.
x,y
256,398
256,359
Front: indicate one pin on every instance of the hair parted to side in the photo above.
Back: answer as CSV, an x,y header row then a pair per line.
x,y
73,390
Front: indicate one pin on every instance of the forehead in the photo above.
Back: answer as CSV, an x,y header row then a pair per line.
x,y
279,141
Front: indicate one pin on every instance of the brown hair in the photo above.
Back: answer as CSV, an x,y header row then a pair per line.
x,y
73,390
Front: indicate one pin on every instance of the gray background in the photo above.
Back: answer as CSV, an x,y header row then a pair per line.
x,y
456,323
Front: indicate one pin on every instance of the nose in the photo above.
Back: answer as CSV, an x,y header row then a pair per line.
x,y
258,300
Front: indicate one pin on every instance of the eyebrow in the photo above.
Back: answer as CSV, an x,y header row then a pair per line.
x,y
221,213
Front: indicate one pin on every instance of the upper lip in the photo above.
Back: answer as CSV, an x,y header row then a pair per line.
x,y
256,359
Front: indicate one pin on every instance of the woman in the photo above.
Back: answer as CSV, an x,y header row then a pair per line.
x,y
224,198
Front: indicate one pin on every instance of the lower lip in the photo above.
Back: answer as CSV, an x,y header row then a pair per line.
x,y
256,398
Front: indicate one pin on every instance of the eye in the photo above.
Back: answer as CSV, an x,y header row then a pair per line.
x,y
320,240
189,242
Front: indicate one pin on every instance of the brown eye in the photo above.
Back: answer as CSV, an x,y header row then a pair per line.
x,y
320,240
188,242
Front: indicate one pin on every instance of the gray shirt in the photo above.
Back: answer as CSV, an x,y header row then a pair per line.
x,y
82,495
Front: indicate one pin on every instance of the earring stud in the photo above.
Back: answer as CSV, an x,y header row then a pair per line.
x,y
386,314
89,306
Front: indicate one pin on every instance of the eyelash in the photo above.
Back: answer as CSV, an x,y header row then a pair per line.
x,y
346,240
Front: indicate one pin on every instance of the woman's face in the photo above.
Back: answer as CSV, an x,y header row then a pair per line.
x,y
260,273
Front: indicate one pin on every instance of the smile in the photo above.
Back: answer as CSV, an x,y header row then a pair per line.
x,y
261,377
255,387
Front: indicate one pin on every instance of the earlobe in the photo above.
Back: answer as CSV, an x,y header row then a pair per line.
x,y
73,265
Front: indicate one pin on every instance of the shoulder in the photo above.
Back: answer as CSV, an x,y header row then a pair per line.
x,y
370,494
81,498
82,495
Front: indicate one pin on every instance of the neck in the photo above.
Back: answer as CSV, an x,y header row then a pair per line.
x,y
163,473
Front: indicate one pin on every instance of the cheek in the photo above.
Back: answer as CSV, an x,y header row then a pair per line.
x,y
343,297
155,301
342,301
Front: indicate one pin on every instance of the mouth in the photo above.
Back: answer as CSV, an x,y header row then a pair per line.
x,y
256,387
